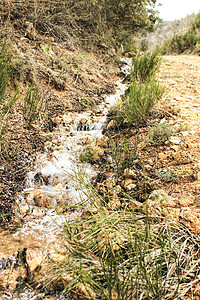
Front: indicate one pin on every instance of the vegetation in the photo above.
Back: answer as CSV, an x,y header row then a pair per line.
x,y
160,133
145,66
91,21
143,93
124,255
32,105
123,153
8,95
189,41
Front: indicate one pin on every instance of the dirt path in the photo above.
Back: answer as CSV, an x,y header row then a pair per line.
x,y
181,74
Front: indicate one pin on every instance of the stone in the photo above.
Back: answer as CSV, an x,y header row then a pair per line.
x,y
35,263
127,182
131,186
24,208
102,142
175,140
190,220
95,153
162,155
198,186
57,120
130,174
174,147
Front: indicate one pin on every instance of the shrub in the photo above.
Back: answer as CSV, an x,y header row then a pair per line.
x,y
123,153
145,66
142,97
160,133
184,42
32,105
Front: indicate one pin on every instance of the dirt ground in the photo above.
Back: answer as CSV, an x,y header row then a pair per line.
x,y
177,162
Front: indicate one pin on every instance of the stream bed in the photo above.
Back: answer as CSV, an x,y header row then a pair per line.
x,y
51,191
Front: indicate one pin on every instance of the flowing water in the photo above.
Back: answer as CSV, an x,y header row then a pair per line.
x,y
50,189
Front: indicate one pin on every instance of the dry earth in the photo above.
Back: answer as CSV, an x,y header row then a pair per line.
x,y
181,76
178,161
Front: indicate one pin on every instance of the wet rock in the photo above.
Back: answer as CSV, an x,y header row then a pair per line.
x,y
103,142
39,199
83,125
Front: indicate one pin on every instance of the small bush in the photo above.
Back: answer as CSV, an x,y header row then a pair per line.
x,y
160,133
145,66
142,97
123,153
32,105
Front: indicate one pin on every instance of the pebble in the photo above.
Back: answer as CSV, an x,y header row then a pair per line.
x,y
162,155
175,140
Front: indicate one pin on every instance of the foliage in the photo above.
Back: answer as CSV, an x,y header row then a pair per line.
x,y
7,97
123,153
99,20
142,97
160,133
121,255
145,66
32,105
184,42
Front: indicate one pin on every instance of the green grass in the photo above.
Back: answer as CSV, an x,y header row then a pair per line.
x,y
142,97
32,105
8,94
145,66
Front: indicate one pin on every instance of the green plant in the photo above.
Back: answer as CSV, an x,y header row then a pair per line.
x,y
32,105
8,95
119,255
145,66
160,133
142,97
85,101
123,153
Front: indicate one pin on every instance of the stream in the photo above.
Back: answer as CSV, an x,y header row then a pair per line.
x,y
51,190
